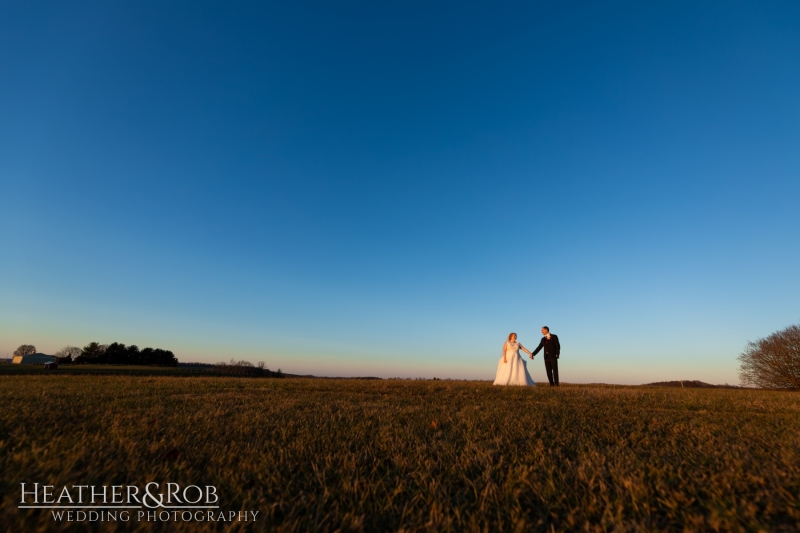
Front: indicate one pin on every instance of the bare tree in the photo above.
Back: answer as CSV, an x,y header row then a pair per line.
x,y
68,353
773,362
25,349
74,351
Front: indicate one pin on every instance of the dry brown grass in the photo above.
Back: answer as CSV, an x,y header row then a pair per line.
x,y
322,455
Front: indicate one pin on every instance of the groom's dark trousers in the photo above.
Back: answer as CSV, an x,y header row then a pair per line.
x,y
552,350
551,366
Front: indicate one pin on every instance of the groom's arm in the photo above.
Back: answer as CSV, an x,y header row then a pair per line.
x,y
558,347
541,345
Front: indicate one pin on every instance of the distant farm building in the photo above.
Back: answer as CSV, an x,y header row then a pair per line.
x,y
33,359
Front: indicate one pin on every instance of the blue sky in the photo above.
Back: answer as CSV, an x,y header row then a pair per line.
x,y
364,189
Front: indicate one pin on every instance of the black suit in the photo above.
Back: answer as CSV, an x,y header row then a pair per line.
x,y
552,350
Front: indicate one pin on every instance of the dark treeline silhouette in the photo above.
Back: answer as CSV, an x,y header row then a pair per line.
x,y
689,384
118,354
245,368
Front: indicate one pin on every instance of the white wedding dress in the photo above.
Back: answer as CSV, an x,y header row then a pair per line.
x,y
515,370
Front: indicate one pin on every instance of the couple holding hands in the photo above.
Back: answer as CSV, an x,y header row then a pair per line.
x,y
512,368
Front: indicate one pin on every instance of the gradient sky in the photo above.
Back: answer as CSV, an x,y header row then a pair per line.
x,y
389,189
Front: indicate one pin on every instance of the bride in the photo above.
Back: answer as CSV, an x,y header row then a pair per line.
x,y
512,369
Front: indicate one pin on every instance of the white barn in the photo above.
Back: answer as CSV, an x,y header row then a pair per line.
x,y
33,359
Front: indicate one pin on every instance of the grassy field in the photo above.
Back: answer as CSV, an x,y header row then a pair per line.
x,y
393,455
115,370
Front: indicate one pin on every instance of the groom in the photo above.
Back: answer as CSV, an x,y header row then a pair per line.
x,y
552,349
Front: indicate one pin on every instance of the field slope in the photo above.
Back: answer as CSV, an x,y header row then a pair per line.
x,y
321,455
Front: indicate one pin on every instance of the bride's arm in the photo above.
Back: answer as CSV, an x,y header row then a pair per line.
x,y
504,352
524,349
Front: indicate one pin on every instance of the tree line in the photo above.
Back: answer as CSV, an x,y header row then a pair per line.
x,y
115,353
245,368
